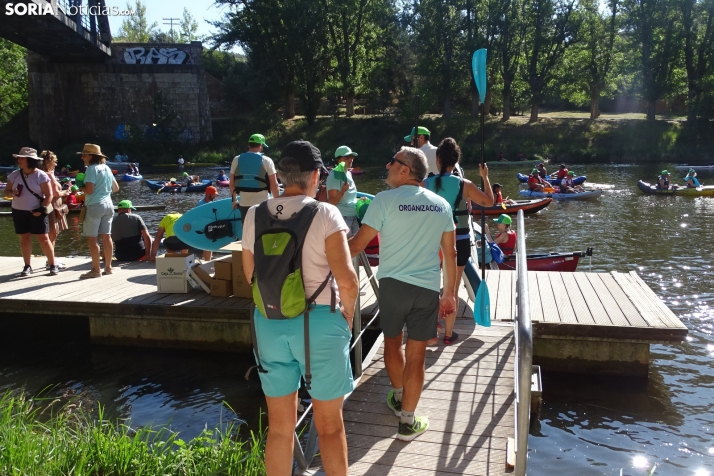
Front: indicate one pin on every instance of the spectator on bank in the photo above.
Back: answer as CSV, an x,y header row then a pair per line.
x,y
31,194
99,183
132,241
166,232
58,218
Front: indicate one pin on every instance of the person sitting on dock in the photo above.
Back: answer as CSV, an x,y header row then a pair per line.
x,y
505,239
222,177
691,179
413,224
562,172
166,231
568,186
281,347
521,156
536,183
252,176
663,182
132,241
501,157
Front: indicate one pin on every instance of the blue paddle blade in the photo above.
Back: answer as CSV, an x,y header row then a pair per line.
x,y
482,306
478,66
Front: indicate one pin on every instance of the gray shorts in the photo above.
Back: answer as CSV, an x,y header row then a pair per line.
x,y
98,220
353,225
402,303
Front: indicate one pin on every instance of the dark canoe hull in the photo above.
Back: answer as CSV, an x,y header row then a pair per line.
x,y
561,262
706,191
553,181
157,185
528,206
131,178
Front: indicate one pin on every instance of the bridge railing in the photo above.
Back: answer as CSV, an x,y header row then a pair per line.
x,y
304,458
524,351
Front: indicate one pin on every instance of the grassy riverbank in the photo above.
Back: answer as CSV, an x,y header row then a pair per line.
x,y
38,438
558,136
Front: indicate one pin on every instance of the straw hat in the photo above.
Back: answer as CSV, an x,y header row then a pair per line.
x,y
28,152
92,149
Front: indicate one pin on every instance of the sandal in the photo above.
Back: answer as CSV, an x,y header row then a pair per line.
x,y
90,274
108,271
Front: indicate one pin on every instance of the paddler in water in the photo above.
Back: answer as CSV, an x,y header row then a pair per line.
x,y
691,179
663,181
341,189
458,192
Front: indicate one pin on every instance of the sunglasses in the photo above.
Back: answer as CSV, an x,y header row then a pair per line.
x,y
394,159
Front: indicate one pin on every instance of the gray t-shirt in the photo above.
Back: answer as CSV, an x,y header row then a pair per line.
x,y
127,225
23,199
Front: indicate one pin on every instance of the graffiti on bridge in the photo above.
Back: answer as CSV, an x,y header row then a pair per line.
x,y
141,55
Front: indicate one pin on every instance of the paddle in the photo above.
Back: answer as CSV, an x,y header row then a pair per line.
x,y
482,305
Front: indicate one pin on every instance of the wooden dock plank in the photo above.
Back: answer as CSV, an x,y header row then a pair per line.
x,y
577,299
562,299
492,281
592,301
505,296
643,296
631,313
547,297
536,306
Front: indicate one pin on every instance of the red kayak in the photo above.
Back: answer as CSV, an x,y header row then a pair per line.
x,y
563,262
528,206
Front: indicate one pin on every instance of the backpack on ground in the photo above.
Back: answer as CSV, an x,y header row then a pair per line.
x,y
277,282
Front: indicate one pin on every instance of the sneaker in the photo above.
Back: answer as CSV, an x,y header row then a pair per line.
x,y
60,265
394,404
450,340
90,275
54,270
26,271
409,432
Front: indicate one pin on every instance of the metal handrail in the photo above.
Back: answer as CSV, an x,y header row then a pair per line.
x,y
524,351
304,459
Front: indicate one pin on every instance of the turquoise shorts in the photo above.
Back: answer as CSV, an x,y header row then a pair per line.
x,y
281,344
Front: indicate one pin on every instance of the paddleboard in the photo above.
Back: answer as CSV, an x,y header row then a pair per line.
x,y
217,217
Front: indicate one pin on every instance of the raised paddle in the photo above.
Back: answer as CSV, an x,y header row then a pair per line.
x,y
482,305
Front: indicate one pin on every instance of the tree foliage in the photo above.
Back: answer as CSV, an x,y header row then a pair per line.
x,y
136,28
13,80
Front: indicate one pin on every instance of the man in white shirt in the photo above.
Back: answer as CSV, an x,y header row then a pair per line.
x,y
423,144
252,176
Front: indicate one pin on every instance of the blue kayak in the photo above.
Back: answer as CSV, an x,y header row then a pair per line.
x,y
553,181
131,178
157,185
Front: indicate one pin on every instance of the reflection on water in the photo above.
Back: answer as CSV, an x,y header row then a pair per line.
x,y
587,426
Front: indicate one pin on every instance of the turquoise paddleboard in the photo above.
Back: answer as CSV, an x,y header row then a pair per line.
x,y
210,226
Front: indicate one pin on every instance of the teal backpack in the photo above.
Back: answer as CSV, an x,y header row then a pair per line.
x,y
277,283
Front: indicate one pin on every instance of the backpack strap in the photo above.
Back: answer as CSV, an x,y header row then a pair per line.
x,y
306,331
459,197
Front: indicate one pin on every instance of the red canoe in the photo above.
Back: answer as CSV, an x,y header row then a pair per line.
x,y
528,206
563,262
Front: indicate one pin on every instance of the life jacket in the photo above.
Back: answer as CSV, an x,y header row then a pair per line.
x,y
250,175
452,190
509,246
565,183
666,182
694,180
278,287
372,251
499,198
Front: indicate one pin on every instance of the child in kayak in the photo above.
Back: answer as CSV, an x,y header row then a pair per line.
x,y
506,238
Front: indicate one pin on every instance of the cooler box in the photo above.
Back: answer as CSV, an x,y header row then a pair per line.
x,y
171,272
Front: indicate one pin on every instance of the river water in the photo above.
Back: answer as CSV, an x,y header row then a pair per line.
x,y
587,426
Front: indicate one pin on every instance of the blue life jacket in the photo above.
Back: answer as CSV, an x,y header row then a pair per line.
x,y
694,180
250,174
452,190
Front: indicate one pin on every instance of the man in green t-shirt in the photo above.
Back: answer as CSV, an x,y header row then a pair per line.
x,y
414,224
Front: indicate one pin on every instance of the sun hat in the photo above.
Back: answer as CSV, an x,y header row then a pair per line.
x,y
344,151
692,172
211,190
92,149
29,153
185,174
664,172
503,218
172,179
258,139
74,188
125,204
423,131
307,155
571,173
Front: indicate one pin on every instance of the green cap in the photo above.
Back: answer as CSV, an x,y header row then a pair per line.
x,y
185,174
343,151
664,172
503,218
68,166
534,171
125,204
74,188
258,139
423,131
571,172
66,179
691,172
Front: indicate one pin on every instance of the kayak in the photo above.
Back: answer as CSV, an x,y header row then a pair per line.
x,y
131,178
588,195
695,167
502,163
157,185
707,190
553,181
223,183
356,171
562,262
528,206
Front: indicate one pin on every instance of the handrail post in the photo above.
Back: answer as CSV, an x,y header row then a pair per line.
x,y
524,351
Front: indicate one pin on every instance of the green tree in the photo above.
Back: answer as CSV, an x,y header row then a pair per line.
x,y
189,27
13,80
551,27
510,31
136,28
698,27
652,27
